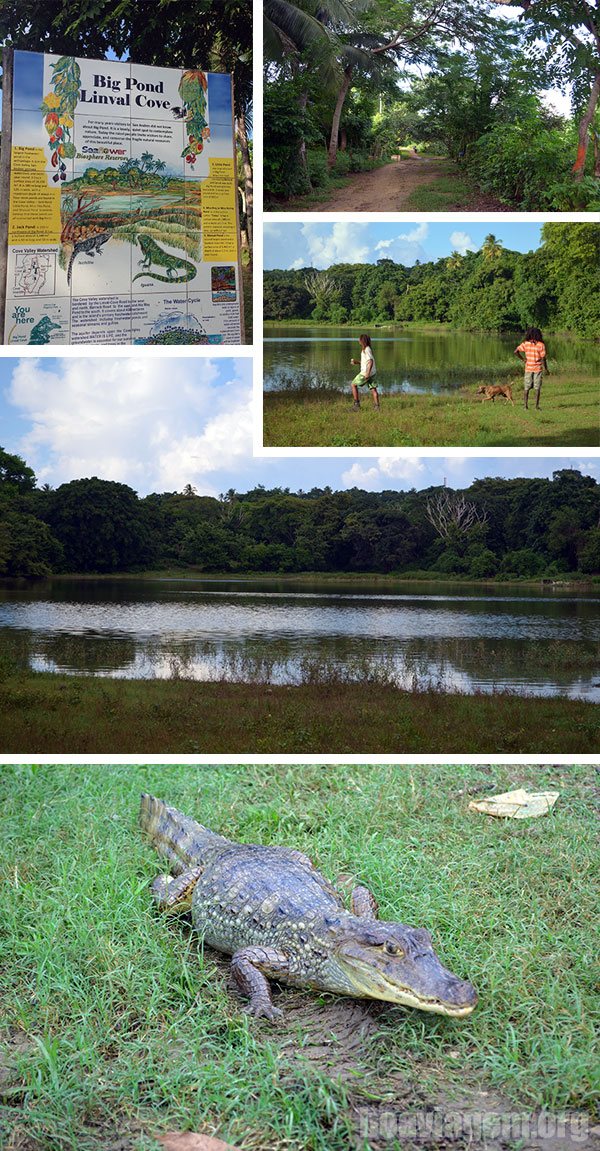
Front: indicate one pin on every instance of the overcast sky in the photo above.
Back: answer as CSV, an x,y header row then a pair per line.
x,y
295,245
160,423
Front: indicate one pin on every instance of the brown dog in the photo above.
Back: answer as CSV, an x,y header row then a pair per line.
x,y
490,391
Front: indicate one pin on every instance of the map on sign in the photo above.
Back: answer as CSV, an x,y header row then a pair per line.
x,y
122,216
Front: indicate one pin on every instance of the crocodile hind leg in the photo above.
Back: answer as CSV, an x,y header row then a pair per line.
x,y
363,903
250,968
175,895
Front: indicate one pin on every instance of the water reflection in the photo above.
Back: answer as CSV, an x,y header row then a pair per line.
x,y
525,642
309,359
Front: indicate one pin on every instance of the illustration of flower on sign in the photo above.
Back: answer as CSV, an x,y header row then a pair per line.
x,y
58,108
192,89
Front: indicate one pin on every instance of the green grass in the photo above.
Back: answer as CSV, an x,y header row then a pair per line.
x,y
569,416
443,194
116,1026
59,714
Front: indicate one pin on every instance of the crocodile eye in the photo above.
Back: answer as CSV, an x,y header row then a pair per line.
x,y
392,948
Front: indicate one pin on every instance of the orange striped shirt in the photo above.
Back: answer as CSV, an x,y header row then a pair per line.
x,y
535,354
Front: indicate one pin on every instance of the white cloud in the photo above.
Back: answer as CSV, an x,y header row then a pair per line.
x,y
462,242
407,247
226,442
345,243
386,469
297,264
419,233
127,419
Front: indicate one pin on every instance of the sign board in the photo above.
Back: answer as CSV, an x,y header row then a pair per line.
x,y
123,216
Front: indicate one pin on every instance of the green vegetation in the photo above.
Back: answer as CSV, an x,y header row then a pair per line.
x,y
568,416
340,95
554,287
46,712
516,527
117,1025
216,37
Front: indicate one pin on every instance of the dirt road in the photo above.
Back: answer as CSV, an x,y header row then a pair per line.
x,y
385,189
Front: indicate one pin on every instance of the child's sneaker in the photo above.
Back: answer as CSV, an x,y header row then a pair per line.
x,y
356,405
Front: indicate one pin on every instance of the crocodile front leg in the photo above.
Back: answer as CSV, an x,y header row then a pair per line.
x,y
248,966
363,903
175,895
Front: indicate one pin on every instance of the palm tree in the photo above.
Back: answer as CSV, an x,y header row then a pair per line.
x,y
491,248
293,28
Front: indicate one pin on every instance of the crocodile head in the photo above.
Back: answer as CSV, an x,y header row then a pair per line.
x,y
397,963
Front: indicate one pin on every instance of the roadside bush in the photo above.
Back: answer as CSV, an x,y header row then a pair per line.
x,y
318,169
342,164
360,161
567,196
284,174
520,163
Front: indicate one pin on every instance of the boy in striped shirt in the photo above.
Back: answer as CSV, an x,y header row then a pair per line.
x,y
533,351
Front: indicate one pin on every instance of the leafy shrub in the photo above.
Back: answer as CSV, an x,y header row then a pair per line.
x,y
342,164
318,169
483,564
284,174
520,162
523,562
567,196
360,161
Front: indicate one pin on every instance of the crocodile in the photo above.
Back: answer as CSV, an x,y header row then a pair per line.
x,y
153,254
92,245
279,917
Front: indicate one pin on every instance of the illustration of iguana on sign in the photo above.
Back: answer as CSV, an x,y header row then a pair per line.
x,y
153,254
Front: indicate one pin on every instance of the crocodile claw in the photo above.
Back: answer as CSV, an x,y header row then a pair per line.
x,y
264,1011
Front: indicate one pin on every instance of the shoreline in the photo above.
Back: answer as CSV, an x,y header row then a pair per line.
x,y
50,713
569,583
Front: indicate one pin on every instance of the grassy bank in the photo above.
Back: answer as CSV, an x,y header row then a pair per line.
x,y
117,1025
60,714
357,580
569,416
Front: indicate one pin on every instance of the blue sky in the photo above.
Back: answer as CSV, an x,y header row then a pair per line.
x,y
310,244
158,423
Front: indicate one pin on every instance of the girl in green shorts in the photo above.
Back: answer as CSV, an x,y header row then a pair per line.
x,y
367,372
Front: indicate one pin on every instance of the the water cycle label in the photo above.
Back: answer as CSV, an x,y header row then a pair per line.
x,y
122,217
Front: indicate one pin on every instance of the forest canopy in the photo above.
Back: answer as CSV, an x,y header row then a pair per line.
x,y
503,528
554,287
350,82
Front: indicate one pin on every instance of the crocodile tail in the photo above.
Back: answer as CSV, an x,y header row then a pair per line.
x,y
178,838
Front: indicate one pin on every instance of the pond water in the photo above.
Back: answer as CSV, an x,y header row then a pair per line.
x,y
130,203
541,642
408,360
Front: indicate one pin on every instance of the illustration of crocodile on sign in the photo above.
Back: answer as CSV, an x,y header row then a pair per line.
x,y
91,246
40,333
153,254
280,918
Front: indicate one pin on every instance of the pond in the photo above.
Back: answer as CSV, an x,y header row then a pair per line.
x,y
408,360
540,642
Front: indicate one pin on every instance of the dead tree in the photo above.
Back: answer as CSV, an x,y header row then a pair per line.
x,y
452,514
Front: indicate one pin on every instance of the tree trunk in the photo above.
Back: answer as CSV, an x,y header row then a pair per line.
x,y
596,142
337,115
343,140
242,134
584,130
302,102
